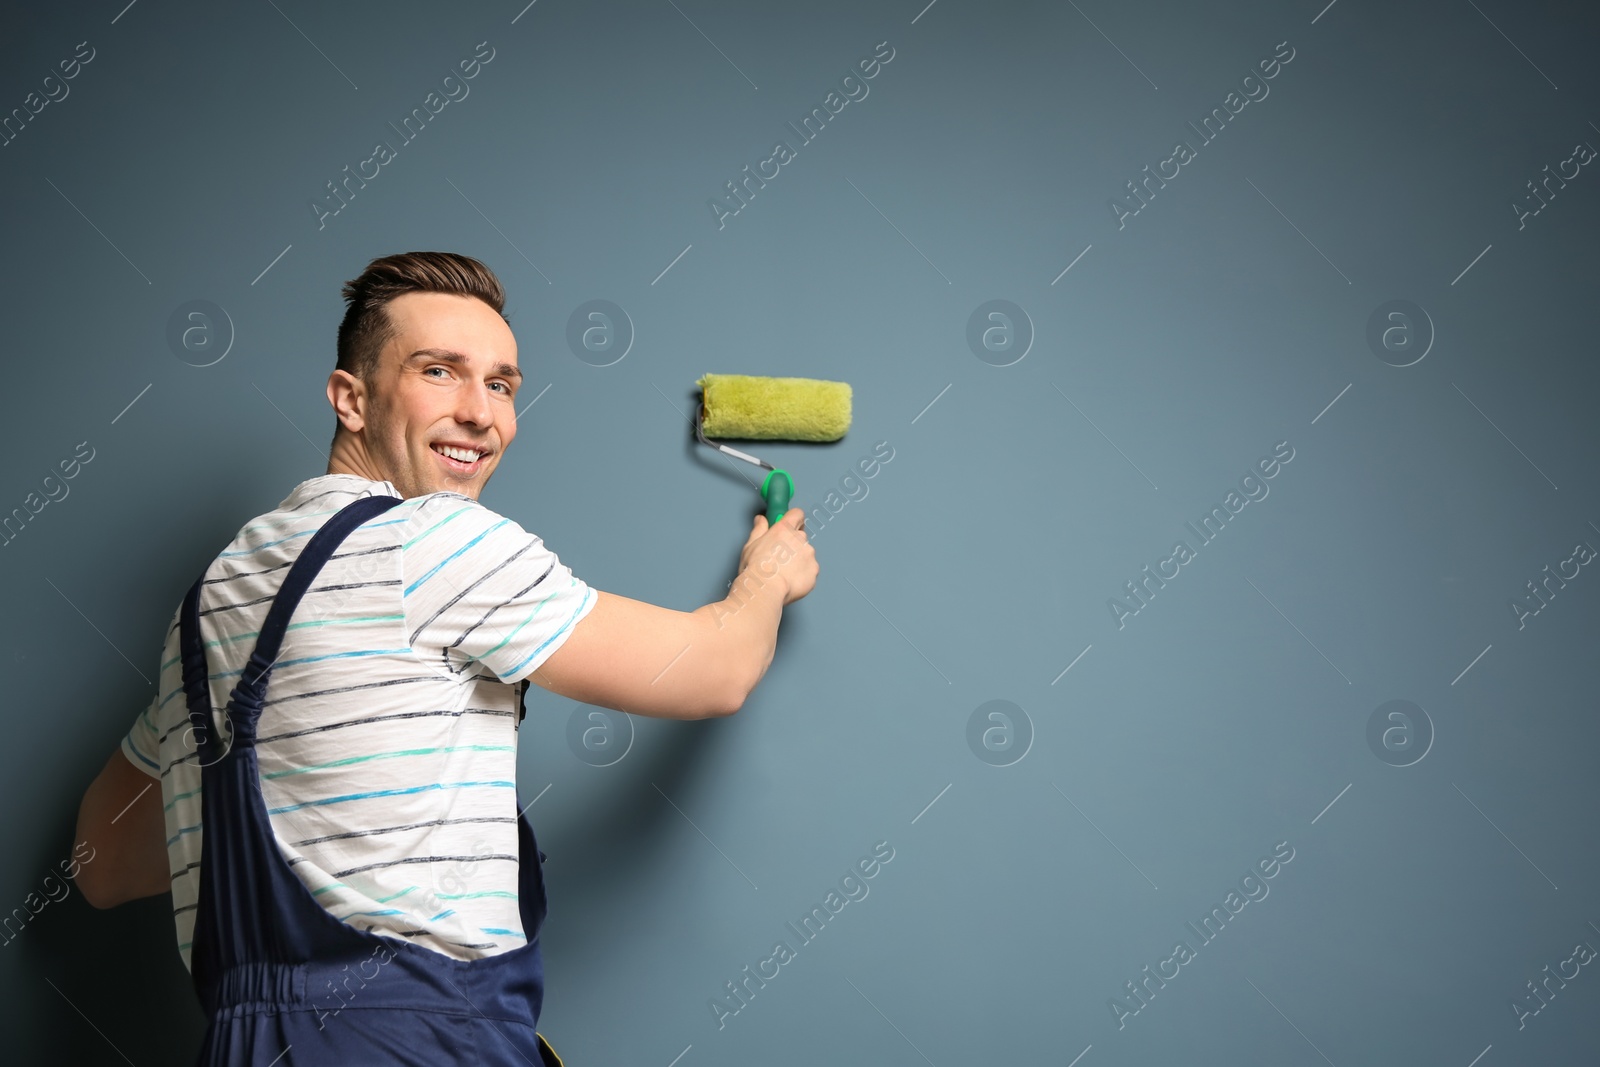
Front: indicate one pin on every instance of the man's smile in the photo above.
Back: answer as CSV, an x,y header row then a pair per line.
x,y
460,458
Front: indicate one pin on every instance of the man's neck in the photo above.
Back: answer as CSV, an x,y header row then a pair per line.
x,y
349,456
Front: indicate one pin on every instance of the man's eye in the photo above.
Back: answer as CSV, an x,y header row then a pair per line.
x,y
434,367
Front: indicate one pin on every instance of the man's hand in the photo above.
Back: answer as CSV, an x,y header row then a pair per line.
x,y
783,552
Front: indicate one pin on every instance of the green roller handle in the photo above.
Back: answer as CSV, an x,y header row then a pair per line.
x,y
778,491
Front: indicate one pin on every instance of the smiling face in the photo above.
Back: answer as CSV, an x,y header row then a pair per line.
x,y
444,390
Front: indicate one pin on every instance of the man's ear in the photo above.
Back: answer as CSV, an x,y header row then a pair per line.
x,y
347,394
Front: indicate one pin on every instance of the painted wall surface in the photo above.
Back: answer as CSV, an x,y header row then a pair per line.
x,y
1209,659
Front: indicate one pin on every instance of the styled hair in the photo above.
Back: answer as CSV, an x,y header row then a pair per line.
x,y
366,327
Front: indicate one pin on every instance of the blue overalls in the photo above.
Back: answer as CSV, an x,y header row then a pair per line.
x,y
282,981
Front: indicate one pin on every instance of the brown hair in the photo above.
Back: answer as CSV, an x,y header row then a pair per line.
x,y
366,327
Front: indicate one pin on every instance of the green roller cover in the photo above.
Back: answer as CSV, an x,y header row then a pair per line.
x,y
745,407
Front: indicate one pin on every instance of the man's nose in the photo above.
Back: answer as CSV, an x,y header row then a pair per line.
x,y
473,404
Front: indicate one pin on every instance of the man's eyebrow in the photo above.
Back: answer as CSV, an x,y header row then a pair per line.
x,y
504,370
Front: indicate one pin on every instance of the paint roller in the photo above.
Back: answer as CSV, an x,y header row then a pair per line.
x,y
748,408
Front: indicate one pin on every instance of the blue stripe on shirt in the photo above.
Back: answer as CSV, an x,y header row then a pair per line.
x,y
385,793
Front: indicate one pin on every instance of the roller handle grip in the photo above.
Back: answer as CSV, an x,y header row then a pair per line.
x,y
778,490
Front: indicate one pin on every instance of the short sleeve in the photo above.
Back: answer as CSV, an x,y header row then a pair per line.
x,y
479,587
142,744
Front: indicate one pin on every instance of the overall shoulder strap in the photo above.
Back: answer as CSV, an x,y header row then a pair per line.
x,y
196,679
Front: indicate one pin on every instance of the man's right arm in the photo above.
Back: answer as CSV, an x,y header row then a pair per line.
x,y
648,660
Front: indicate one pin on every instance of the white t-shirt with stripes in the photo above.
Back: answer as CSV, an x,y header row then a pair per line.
x,y
388,742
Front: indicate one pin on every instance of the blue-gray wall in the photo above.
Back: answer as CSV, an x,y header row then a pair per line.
x,y
1352,285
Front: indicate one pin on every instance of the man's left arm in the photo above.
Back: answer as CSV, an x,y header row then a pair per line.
x,y
121,819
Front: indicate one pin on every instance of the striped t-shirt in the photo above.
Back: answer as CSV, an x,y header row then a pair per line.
x,y
388,740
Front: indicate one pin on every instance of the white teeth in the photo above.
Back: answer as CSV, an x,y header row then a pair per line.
x,y
463,454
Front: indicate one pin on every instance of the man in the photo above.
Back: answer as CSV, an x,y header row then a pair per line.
x,y
386,746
